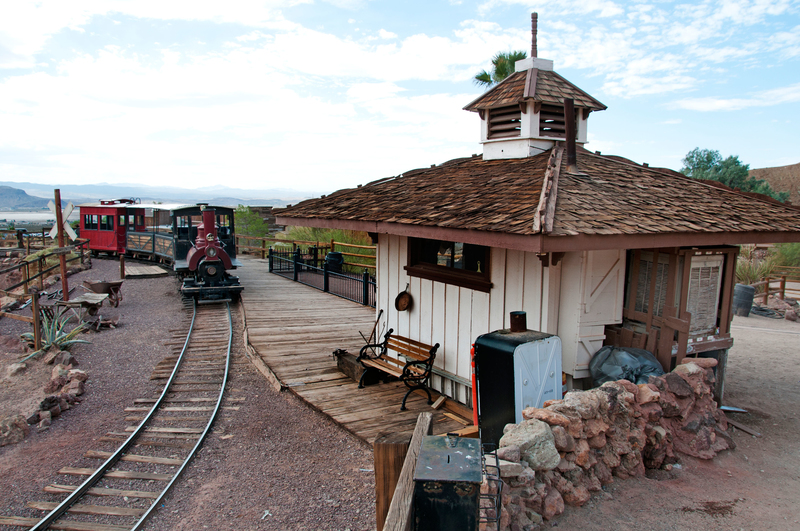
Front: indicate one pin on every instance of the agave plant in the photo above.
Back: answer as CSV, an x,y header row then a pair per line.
x,y
54,333
750,270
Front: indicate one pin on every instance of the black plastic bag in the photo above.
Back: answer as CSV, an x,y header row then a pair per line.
x,y
636,365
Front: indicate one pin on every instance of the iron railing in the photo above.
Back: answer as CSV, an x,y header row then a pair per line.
x,y
310,267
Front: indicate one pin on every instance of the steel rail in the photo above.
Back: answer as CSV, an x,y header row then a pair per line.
x,y
138,525
80,491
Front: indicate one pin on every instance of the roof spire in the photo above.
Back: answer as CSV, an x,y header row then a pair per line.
x,y
534,30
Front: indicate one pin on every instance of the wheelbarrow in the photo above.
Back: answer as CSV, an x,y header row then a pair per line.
x,y
112,288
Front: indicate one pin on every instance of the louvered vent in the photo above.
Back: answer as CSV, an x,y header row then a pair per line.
x,y
551,121
643,285
704,285
504,122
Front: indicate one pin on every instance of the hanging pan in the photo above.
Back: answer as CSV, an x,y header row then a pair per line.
x,y
403,301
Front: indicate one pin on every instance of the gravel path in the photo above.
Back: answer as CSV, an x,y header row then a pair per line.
x,y
272,464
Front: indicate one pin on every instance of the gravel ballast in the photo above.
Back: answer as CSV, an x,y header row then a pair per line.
x,y
273,463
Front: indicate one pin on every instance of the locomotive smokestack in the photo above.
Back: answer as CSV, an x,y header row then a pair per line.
x,y
210,222
534,31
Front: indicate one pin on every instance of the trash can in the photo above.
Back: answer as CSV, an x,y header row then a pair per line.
x,y
743,299
334,260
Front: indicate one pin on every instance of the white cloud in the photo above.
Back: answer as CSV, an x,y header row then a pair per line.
x,y
767,98
383,34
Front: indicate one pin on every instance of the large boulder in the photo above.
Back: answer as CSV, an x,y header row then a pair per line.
x,y
536,444
13,429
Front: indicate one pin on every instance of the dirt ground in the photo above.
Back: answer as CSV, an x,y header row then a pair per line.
x,y
275,464
756,486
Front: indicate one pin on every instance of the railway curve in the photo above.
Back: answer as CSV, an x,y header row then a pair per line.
x,y
170,430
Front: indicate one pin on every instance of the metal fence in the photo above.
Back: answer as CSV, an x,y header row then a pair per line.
x,y
310,267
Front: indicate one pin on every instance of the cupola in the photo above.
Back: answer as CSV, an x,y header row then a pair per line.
x,y
523,115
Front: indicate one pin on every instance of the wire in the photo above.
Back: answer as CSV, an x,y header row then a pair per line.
x,y
766,312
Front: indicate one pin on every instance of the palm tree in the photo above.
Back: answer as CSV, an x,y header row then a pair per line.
x,y
502,67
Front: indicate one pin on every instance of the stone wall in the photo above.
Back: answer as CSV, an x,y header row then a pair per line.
x,y
563,452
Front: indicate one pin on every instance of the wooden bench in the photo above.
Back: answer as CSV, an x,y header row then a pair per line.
x,y
415,372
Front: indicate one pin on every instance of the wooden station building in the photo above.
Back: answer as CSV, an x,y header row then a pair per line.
x,y
598,249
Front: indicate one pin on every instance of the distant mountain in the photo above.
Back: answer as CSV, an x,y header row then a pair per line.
x,y
15,199
218,195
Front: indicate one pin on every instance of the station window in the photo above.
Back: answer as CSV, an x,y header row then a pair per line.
x,y
461,264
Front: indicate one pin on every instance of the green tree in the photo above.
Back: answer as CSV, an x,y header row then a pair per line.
x,y
709,165
249,223
502,67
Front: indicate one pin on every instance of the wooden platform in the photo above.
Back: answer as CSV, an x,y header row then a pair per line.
x,y
294,329
144,271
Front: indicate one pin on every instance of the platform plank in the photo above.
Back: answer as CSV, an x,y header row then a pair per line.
x,y
144,271
294,329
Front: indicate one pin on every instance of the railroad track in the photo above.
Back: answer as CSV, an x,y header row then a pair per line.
x,y
168,431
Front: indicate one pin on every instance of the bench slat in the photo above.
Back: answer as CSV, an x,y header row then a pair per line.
x,y
424,346
421,355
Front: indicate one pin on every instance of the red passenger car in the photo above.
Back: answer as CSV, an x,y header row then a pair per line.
x,y
106,224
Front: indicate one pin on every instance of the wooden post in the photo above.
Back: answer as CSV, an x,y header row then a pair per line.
x,y
783,287
401,510
41,274
333,245
20,239
389,452
44,238
27,278
28,244
37,323
263,249
61,257
121,266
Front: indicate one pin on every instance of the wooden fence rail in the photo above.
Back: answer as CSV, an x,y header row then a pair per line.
x,y
401,511
263,248
81,246
780,290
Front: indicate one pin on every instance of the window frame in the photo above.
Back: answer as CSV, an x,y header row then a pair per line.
x,y
446,274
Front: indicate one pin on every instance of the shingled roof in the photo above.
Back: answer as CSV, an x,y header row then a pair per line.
x,y
543,86
496,202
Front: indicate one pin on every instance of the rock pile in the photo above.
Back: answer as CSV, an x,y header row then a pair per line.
x,y
563,452
64,388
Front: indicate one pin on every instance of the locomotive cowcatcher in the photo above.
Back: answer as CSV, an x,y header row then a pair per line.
x,y
204,265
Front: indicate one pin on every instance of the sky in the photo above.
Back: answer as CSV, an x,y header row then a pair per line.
x,y
318,95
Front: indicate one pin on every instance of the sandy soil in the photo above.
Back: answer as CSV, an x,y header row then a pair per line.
x,y
275,464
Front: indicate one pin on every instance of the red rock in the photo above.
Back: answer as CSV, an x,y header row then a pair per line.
x,y
74,387
584,457
548,403
603,473
553,504
509,453
593,427
631,387
545,415
55,384
790,315
647,393
77,374
705,363
652,412
598,441
578,496
564,441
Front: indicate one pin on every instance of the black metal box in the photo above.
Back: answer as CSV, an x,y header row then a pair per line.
x,y
447,484
513,371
